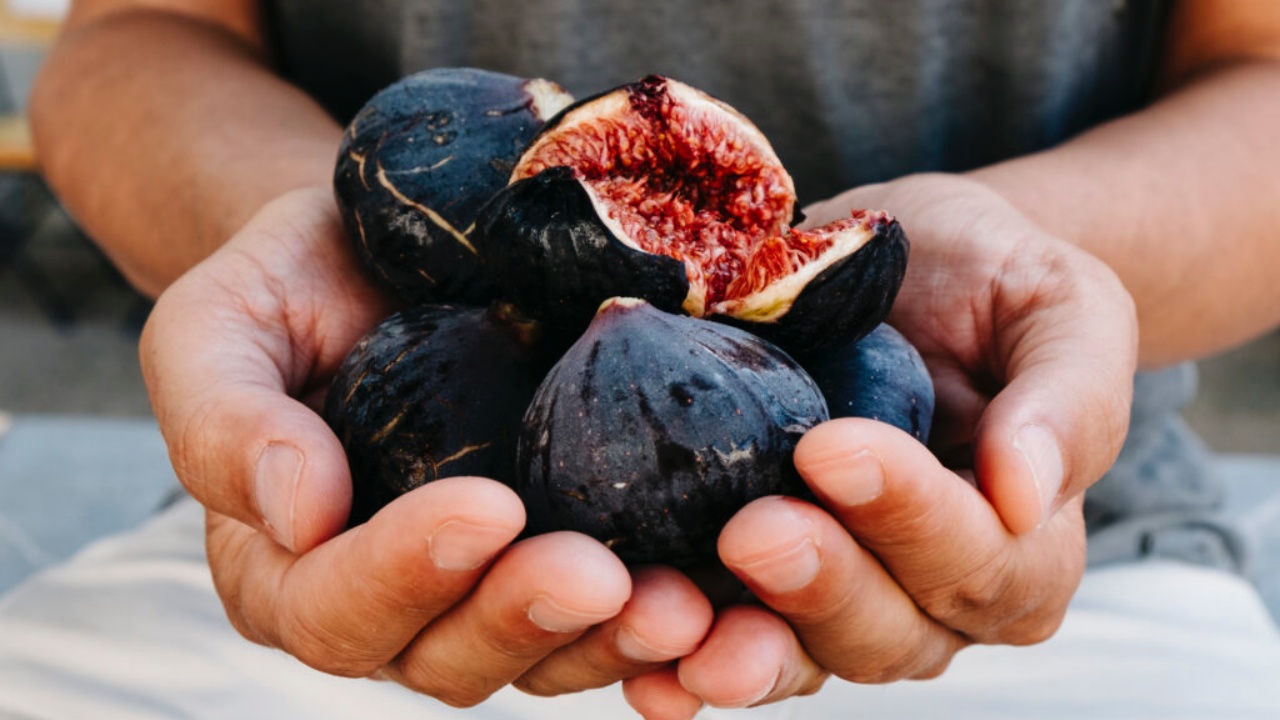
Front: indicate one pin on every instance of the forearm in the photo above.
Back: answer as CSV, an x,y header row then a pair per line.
x,y
162,134
1180,200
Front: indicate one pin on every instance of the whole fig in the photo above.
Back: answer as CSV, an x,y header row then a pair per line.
x,y
418,161
881,377
653,429
434,391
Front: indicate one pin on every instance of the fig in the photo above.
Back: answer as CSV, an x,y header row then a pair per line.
x,y
653,429
881,377
434,391
659,191
417,162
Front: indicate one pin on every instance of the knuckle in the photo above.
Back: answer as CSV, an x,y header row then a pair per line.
x,y
878,669
813,684
882,658
871,676
185,436
561,673
1034,628
457,694
242,626
226,549
461,699
923,653
934,669
978,597
459,691
980,594
536,684
213,448
515,648
323,649
829,608
996,605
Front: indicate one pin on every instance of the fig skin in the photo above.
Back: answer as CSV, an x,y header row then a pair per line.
x,y
844,302
555,259
434,391
881,377
418,161
654,429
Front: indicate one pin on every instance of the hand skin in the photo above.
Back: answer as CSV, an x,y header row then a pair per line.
x,y
1032,344
907,564
228,137
432,592
232,177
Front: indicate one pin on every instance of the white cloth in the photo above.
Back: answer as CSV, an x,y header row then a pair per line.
x,y
131,628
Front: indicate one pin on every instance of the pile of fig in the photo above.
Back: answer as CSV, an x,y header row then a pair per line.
x,y
605,306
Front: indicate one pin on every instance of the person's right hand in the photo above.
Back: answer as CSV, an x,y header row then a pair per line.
x,y
430,592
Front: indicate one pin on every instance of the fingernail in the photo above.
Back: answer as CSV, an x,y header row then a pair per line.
x,y
852,480
787,569
1043,457
634,648
275,481
458,545
554,617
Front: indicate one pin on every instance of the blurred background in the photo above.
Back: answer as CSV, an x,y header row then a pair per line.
x,y
74,417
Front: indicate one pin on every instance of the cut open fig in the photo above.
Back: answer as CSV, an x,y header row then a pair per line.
x,y
657,190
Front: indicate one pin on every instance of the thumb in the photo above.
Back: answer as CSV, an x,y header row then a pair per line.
x,y
1069,335
228,345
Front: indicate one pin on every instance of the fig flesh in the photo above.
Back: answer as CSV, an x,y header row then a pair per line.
x,y
418,161
434,391
881,377
653,429
657,190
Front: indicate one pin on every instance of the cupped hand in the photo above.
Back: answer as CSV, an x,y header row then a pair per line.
x,y
433,592
917,552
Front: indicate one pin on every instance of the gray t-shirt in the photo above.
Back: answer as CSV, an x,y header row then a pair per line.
x,y
849,92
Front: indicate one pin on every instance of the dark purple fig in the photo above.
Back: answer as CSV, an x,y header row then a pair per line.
x,y
434,391
660,191
881,377
418,161
654,429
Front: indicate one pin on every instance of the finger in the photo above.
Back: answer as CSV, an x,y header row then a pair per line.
x,y
658,695
1069,351
851,616
665,618
542,594
938,536
352,604
227,344
1046,328
751,657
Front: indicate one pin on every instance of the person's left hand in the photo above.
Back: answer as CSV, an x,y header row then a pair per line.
x,y
1032,346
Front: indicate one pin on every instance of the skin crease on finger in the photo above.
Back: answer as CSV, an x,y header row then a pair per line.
x,y
850,615
750,657
665,618
658,695
397,589
942,542
542,593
